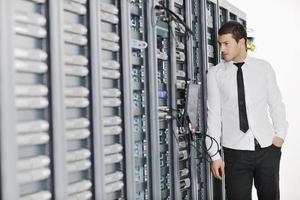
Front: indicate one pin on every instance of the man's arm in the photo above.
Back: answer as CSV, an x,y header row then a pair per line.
x,y
214,124
276,108
213,115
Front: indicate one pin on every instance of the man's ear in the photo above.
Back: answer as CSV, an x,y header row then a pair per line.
x,y
242,41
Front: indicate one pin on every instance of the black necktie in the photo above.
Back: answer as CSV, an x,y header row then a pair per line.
x,y
241,98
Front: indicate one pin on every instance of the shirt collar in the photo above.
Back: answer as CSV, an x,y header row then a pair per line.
x,y
229,64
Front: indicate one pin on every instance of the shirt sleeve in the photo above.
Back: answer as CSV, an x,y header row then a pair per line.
x,y
276,106
213,115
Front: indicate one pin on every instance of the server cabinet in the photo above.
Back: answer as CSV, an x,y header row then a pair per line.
x,y
224,11
136,109
233,12
212,15
232,16
199,62
77,102
173,35
230,12
93,98
159,102
223,16
111,102
242,18
184,74
9,169
27,141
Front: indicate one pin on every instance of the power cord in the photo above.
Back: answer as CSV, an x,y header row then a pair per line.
x,y
186,131
176,18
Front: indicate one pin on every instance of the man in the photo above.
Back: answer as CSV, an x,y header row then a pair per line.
x,y
242,94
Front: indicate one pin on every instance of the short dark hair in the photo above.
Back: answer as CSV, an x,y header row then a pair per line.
x,y
237,30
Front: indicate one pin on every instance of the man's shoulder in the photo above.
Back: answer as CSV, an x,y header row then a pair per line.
x,y
216,68
258,61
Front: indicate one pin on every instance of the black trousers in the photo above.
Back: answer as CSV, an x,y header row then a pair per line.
x,y
242,167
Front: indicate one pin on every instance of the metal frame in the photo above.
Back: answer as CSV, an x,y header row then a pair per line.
x,y
223,195
225,5
242,17
204,63
58,109
189,63
9,184
147,110
127,99
97,137
211,180
175,168
233,10
191,76
153,104
217,24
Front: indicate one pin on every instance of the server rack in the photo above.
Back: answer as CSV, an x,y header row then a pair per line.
x,y
159,161
99,98
160,127
111,118
164,126
224,11
242,18
230,12
57,89
212,32
183,75
77,100
137,123
29,135
233,12
9,184
199,64
175,99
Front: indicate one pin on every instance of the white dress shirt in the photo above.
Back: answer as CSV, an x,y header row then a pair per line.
x,y
265,109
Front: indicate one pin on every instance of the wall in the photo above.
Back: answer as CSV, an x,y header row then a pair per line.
x,y
276,30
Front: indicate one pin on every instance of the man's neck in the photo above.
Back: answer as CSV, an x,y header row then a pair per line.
x,y
240,58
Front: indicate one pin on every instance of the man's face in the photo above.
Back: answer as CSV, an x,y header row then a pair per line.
x,y
230,49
